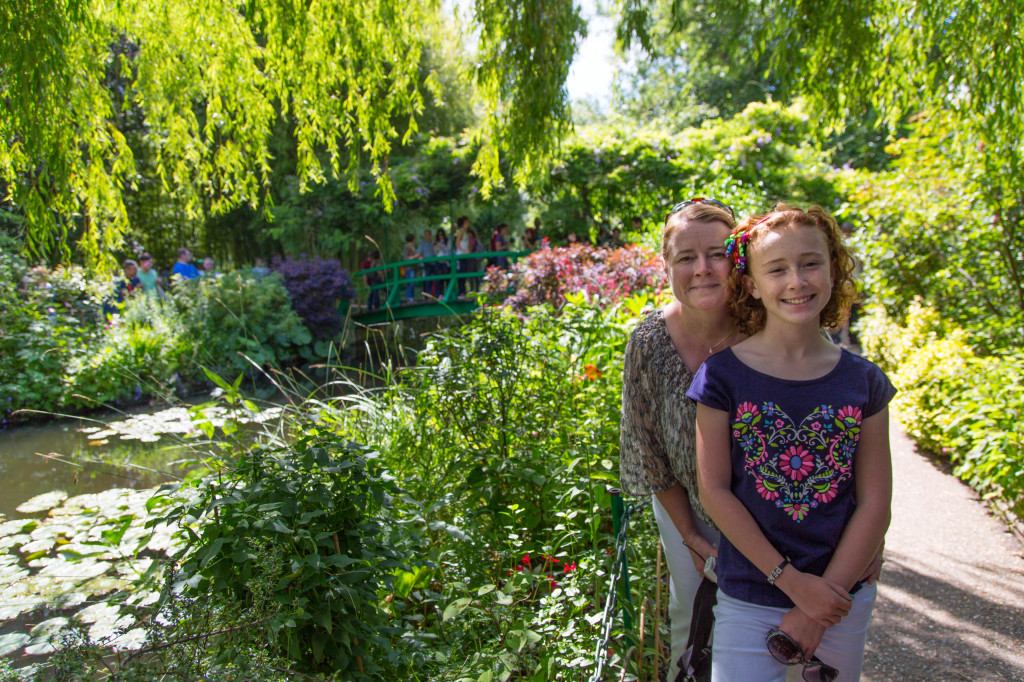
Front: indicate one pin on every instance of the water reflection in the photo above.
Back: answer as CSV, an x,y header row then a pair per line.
x,y
59,456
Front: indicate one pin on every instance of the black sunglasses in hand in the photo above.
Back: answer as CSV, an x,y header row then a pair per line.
x,y
788,652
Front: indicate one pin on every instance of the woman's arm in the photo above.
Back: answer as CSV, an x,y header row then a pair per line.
x,y
823,600
676,502
865,532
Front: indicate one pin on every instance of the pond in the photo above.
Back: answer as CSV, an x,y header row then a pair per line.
x,y
59,455
73,508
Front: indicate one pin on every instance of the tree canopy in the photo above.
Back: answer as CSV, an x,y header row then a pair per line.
x,y
206,80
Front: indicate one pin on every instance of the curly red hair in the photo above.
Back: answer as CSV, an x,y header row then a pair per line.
x,y
749,313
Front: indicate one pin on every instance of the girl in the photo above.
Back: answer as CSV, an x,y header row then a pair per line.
x,y
792,458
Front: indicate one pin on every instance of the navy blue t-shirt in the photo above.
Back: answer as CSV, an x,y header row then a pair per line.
x,y
793,449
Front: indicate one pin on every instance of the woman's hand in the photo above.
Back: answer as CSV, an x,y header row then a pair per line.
x,y
803,630
700,550
822,600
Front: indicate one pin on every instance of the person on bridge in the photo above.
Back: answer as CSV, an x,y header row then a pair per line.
x,y
426,250
409,252
793,460
499,242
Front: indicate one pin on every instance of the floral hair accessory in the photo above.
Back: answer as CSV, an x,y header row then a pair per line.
x,y
736,248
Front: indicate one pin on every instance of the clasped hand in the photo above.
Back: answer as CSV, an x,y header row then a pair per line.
x,y
822,600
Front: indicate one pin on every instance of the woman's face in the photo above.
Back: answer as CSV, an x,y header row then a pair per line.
x,y
696,264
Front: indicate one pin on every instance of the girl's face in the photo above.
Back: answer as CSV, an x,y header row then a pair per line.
x,y
696,265
790,272
145,265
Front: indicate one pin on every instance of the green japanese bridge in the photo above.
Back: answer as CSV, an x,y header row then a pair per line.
x,y
388,299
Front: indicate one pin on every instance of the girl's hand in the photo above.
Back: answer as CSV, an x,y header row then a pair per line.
x,y
803,630
822,600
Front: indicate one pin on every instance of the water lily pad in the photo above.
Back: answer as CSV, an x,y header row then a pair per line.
x,y
16,526
41,545
107,629
131,640
42,502
11,541
12,641
48,627
99,613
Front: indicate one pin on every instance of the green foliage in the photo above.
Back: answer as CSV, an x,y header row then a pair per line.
x,y
952,401
700,62
140,351
42,330
211,80
614,172
236,316
308,521
927,232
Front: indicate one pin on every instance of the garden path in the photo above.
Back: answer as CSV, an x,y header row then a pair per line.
x,y
951,597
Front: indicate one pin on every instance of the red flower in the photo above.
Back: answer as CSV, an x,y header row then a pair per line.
x,y
592,372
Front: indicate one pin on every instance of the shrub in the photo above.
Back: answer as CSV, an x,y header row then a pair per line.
x,y
302,527
316,288
38,338
953,402
547,276
139,353
232,315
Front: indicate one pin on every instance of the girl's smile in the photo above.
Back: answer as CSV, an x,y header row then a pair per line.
x,y
790,273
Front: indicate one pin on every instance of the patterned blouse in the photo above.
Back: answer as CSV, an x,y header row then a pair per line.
x,y
657,447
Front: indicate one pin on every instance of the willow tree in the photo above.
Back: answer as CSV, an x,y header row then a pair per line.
x,y
208,78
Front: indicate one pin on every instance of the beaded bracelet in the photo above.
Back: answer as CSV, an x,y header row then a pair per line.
x,y
777,572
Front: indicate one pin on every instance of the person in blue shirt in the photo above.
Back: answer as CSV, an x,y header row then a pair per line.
x,y
792,458
124,287
184,267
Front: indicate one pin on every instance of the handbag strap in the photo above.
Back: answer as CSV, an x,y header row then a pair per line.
x,y
702,622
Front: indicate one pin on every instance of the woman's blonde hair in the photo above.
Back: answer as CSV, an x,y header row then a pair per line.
x,y
749,313
694,213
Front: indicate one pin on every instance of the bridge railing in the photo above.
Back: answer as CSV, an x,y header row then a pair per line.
x,y
400,281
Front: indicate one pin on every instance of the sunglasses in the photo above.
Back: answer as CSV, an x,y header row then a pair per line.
x,y
700,200
782,647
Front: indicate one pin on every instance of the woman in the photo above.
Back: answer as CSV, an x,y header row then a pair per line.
x,y
658,448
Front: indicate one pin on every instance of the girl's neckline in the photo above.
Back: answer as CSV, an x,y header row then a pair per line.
x,y
793,382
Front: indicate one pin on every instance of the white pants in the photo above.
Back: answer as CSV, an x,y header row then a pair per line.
x,y
740,654
683,579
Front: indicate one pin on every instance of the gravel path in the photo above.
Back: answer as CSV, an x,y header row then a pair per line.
x,y
951,597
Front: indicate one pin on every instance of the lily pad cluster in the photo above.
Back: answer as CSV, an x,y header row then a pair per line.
x,y
148,428
81,563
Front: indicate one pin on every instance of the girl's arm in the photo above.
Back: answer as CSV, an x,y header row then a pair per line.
x,y
865,531
823,600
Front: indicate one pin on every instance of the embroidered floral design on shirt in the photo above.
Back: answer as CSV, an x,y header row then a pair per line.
x,y
797,466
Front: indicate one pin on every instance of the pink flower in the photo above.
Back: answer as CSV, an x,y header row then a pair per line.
x,y
798,511
746,412
816,426
796,462
779,423
765,492
828,494
850,415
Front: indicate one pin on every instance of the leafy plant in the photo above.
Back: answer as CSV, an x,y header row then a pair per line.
x,y
235,316
316,288
310,518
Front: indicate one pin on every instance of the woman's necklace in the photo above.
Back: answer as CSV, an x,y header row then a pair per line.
x,y
711,348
